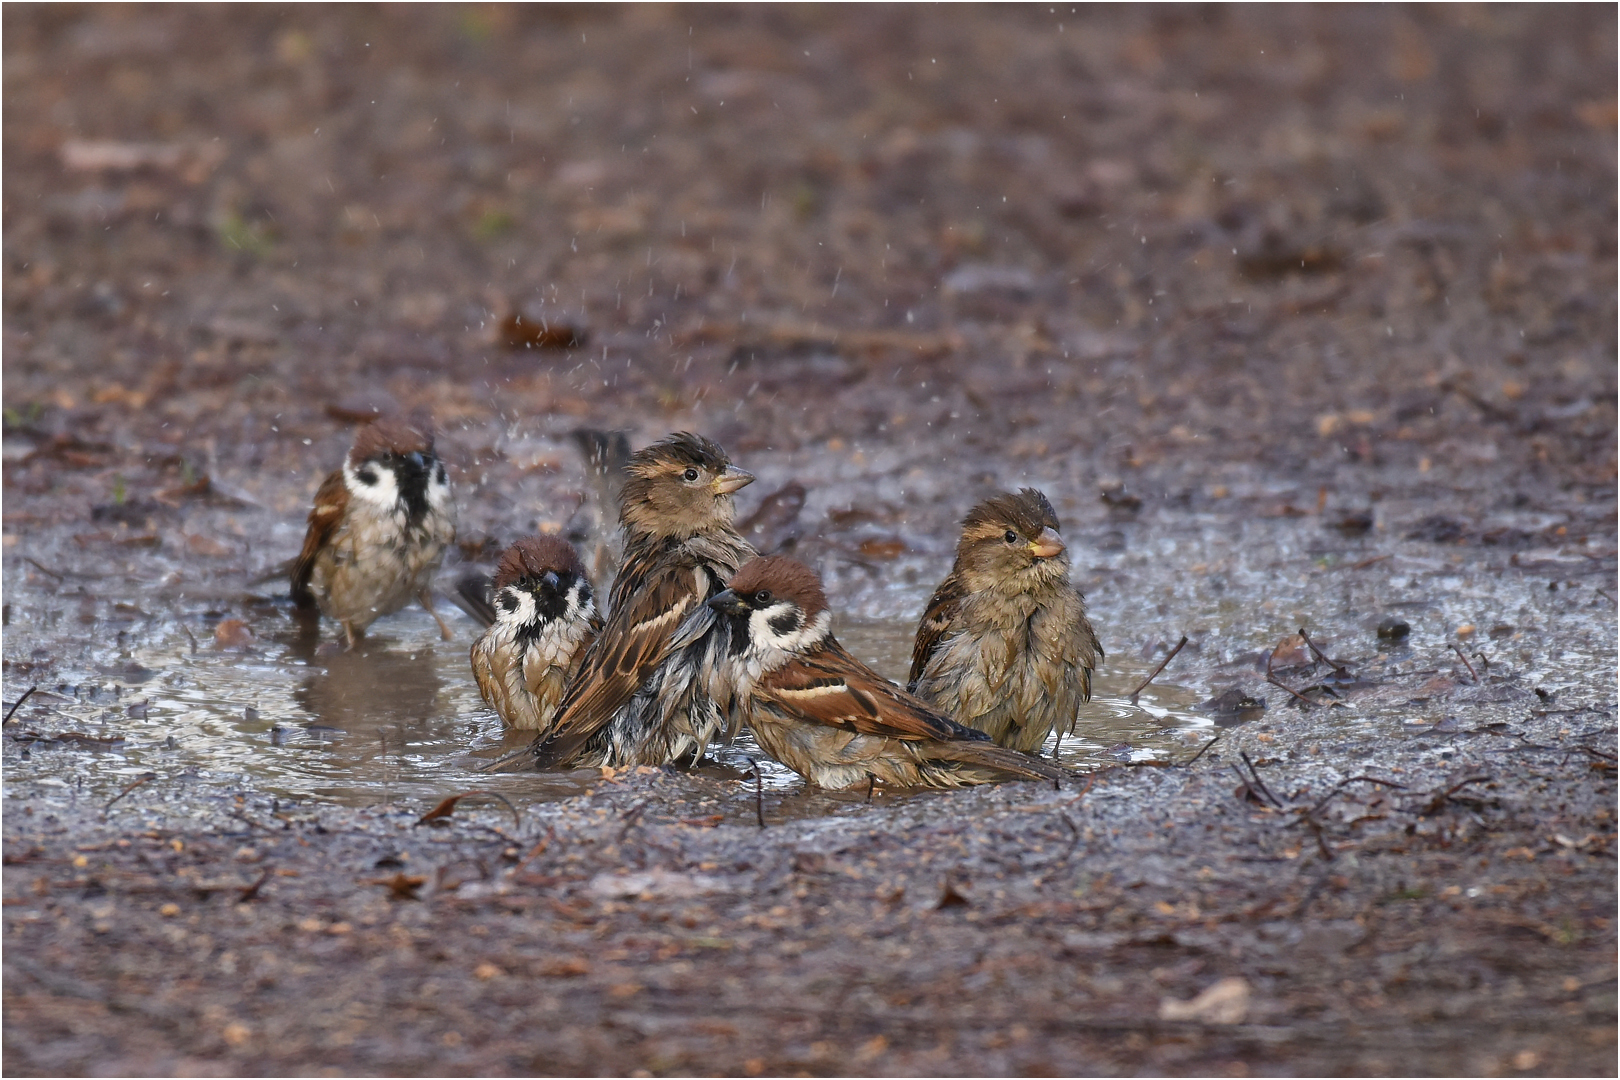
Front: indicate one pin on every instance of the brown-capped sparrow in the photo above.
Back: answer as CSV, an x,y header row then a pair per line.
x,y
378,530
829,717
544,621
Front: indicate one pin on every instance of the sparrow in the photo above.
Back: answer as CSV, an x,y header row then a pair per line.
x,y
1004,645
639,697
829,717
378,530
544,621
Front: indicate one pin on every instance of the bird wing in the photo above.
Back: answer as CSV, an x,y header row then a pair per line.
x,y
331,503
938,618
831,687
635,640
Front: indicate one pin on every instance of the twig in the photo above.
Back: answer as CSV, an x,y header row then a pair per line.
x,y
40,566
1338,669
190,637
759,794
1607,597
1244,754
1171,655
26,695
142,779
252,890
1439,798
1218,733
1466,664
1364,563
1274,681
1342,784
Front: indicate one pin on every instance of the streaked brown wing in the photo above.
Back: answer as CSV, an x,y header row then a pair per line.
x,y
331,502
831,687
938,617
634,641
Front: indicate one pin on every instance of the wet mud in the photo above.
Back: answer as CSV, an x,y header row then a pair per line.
x,y
1304,319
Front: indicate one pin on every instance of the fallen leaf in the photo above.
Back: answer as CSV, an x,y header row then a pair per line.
x,y
1226,1002
447,806
401,887
232,634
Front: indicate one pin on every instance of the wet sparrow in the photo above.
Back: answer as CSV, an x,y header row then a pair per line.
x,y
638,698
378,530
544,621
826,715
1004,645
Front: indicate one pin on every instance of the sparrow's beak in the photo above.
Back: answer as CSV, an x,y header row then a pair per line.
x,y
732,480
1048,544
728,602
550,580
416,460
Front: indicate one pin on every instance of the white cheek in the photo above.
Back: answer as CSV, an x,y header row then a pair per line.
x,y
438,493
381,495
797,640
521,615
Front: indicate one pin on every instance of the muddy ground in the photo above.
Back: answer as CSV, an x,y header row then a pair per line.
x,y
1303,317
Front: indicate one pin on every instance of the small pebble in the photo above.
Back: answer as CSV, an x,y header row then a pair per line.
x,y
1393,629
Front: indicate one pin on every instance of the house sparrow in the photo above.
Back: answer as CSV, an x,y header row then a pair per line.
x,y
826,715
1004,645
638,699
544,621
378,530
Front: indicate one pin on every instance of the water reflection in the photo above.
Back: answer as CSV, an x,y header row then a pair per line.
x,y
399,719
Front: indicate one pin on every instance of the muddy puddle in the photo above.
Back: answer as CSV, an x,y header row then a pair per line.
x,y
400,719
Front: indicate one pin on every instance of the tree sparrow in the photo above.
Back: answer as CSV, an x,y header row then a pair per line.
x,y
826,715
1004,645
378,530
544,621
638,699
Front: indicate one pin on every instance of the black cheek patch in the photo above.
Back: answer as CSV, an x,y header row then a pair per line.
x,y
438,475
507,603
785,623
367,476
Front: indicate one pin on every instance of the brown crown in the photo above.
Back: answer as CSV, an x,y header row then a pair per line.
x,y
784,577
532,556
387,435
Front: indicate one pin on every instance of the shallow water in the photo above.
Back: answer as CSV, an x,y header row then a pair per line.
x,y
400,718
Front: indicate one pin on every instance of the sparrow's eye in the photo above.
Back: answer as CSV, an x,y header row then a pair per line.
x,y
367,476
763,596
1011,537
689,475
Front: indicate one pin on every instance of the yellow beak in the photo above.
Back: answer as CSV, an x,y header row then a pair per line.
x,y
732,480
1048,544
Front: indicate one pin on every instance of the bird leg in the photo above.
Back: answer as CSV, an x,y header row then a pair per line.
x,y
349,636
426,600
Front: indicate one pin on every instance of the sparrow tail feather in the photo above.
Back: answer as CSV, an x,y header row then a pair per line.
x,y
1000,759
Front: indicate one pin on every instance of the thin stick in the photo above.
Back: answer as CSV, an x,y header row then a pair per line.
x,y
1244,754
1218,733
1162,663
1275,682
759,795
1340,786
1320,655
1364,563
142,779
1466,664
26,695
